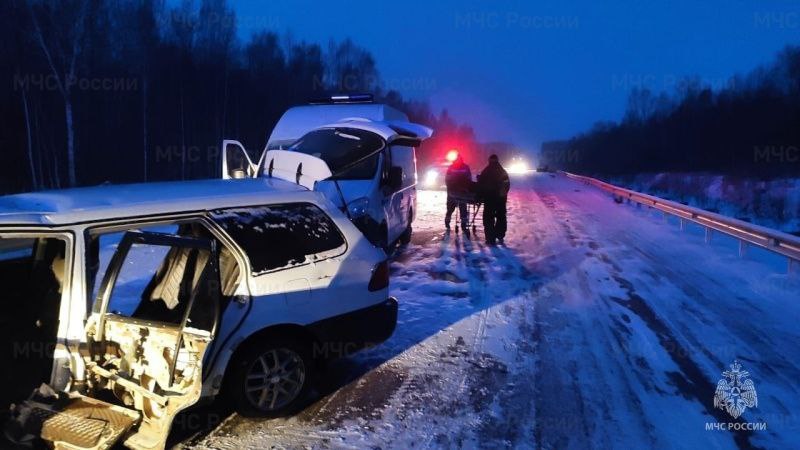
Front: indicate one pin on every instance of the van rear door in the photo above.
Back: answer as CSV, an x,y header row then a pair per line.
x,y
299,120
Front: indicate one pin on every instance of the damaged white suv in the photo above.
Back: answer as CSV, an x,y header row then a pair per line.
x,y
131,303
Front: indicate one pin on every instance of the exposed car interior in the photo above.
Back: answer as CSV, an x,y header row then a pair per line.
x,y
32,274
158,300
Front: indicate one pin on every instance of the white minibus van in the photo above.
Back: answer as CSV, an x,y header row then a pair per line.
x,y
368,149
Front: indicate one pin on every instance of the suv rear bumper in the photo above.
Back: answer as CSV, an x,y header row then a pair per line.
x,y
348,333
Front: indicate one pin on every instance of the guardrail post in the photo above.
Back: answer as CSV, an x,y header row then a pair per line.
x,y
742,248
683,224
792,266
709,233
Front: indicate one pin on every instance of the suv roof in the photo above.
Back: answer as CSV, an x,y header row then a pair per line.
x,y
78,205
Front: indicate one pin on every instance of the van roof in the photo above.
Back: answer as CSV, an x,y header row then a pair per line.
x,y
91,204
299,120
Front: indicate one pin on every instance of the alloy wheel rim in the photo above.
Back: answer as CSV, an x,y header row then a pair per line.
x,y
275,379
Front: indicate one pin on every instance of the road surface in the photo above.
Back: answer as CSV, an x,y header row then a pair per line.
x,y
600,325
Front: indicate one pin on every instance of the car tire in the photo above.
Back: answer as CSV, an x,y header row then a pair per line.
x,y
271,378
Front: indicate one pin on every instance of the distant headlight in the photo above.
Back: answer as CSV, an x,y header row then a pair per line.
x,y
430,177
358,207
518,167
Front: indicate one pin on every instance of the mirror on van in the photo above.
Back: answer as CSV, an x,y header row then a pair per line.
x,y
395,180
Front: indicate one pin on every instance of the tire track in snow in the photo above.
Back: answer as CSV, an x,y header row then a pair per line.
x,y
525,346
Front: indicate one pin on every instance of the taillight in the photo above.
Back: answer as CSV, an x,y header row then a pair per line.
x,y
380,277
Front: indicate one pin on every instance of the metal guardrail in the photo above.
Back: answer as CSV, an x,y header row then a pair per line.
x,y
747,233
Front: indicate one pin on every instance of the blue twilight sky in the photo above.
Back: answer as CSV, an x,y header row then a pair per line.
x,y
530,71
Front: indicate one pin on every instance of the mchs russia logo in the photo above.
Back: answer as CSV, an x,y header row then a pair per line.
x,y
735,391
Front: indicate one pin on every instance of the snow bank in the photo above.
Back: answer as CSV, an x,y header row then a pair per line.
x,y
774,203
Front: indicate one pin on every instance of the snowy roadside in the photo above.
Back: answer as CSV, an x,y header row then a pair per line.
x,y
598,326
773,204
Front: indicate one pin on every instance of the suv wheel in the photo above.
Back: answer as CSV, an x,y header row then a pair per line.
x,y
272,379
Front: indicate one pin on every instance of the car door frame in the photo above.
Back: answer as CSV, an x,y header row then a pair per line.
x,y
238,148
69,317
111,276
242,297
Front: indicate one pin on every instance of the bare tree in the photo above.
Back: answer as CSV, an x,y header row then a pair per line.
x,y
62,61
350,68
147,37
31,165
143,85
642,105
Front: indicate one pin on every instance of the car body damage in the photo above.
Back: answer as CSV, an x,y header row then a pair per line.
x,y
131,303
140,366
144,368
135,365
360,155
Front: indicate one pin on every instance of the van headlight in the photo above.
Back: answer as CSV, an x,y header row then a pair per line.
x,y
358,207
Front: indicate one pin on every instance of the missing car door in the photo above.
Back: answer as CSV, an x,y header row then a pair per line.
x,y
155,315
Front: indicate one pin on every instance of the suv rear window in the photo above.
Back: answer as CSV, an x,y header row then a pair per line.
x,y
341,149
282,236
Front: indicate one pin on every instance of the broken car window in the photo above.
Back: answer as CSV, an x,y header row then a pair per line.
x,y
280,236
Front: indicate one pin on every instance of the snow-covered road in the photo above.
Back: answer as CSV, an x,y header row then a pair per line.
x,y
600,325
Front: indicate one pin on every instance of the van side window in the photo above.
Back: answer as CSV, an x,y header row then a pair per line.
x,y
282,236
405,157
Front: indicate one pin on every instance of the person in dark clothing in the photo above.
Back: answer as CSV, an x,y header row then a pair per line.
x,y
458,181
493,186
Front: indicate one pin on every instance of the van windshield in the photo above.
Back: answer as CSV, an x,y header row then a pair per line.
x,y
350,153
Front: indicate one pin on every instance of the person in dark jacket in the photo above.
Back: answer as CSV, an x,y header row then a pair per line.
x,y
493,186
458,181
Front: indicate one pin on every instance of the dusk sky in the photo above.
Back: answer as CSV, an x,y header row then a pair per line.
x,y
530,71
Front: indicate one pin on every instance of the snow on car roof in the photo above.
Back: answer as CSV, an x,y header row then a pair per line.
x,y
88,204
299,120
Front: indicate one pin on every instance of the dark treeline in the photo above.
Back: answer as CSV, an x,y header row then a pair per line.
x,y
95,91
750,126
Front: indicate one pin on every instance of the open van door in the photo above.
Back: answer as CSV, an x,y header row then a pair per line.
x,y
145,343
295,167
305,168
236,163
